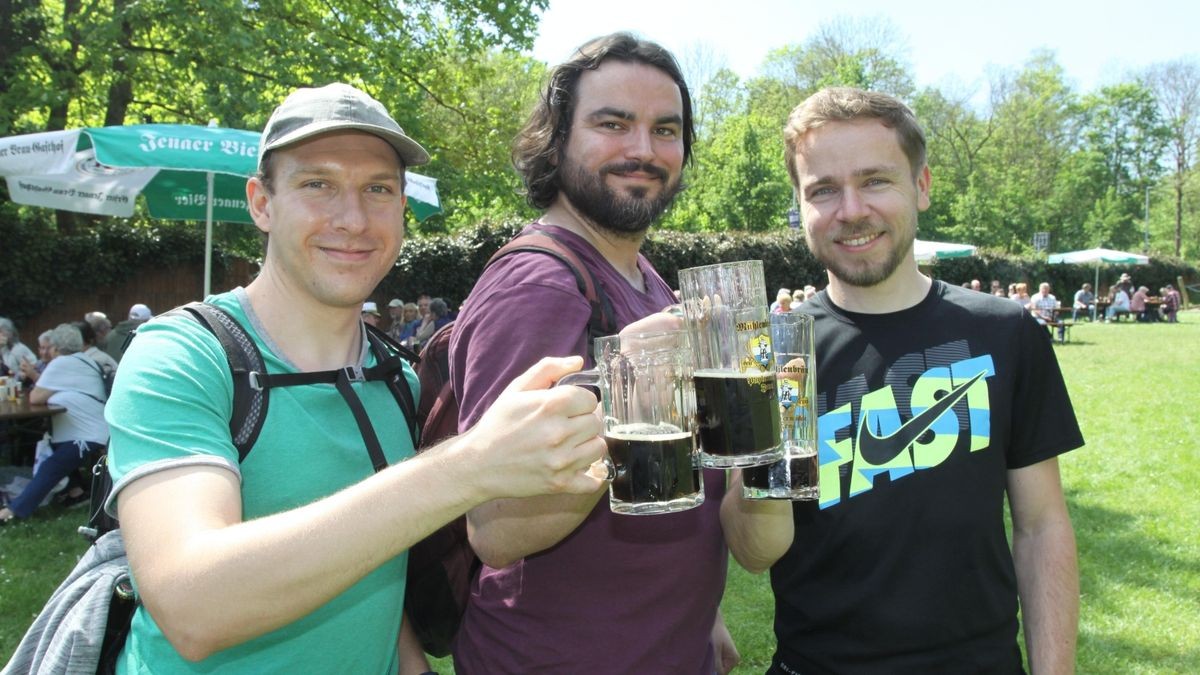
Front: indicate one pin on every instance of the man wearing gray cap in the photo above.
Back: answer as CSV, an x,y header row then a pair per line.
x,y
118,338
294,559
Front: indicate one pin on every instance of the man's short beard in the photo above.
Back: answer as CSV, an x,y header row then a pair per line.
x,y
864,276
627,214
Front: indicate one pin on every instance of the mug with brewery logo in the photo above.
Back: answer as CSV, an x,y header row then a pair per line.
x,y
645,382
726,313
794,476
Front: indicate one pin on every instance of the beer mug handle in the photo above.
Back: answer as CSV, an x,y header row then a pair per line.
x,y
583,378
590,378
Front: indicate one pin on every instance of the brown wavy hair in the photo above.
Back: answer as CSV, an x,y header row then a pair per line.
x,y
537,146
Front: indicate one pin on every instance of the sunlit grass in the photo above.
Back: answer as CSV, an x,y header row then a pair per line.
x,y
1133,492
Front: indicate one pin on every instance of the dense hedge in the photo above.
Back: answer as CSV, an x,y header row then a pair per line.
x,y
447,266
41,265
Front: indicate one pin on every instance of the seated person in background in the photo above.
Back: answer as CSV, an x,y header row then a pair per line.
x,y
780,292
425,325
1138,306
1119,304
71,381
439,315
90,348
411,320
1043,304
1020,294
797,297
395,310
809,292
119,338
783,302
100,325
1085,301
1126,283
370,313
32,370
12,351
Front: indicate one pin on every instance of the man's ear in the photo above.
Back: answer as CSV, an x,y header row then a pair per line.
x,y
924,180
258,201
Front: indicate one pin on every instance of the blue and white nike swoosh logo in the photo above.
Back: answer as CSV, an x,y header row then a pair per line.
x,y
879,450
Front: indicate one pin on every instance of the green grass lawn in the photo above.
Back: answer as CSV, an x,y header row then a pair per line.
x,y
1133,492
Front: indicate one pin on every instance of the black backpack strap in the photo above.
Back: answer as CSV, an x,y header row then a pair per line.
x,y
251,381
344,377
603,319
390,357
248,370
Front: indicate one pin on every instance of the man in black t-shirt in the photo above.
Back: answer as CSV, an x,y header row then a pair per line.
x,y
935,403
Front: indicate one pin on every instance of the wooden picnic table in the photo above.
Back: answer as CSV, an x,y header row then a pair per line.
x,y
21,418
23,409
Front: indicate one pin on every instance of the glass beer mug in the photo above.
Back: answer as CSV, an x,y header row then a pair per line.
x,y
645,382
796,475
726,313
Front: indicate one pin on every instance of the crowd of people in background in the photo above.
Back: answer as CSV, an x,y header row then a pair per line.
x,y
68,371
94,347
410,323
1123,299
788,300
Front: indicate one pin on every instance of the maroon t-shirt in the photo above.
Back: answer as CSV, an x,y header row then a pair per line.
x,y
620,594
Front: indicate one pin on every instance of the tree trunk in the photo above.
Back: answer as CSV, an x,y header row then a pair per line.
x,y
120,92
1179,178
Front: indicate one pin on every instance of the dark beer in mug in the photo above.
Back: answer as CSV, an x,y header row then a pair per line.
x,y
738,417
793,477
656,469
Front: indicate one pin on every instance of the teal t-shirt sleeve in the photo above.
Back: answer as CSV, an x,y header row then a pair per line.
x,y
170,404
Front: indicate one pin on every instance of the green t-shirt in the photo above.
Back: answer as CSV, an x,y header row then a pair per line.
x,y
171,407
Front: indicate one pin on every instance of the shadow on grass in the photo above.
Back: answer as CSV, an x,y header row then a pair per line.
x,y
1117,558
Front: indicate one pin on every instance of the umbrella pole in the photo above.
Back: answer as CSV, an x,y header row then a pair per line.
x,y
208,218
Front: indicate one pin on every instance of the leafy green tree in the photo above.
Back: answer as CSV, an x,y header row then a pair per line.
x,y
955,137
485,100
1122,142
1176,86
721,97
95,62
1034,115
737,182
842,52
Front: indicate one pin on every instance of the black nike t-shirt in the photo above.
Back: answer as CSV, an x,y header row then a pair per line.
x,y
902,565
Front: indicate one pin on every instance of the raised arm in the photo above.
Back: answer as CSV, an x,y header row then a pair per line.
x,y
212,581
757,531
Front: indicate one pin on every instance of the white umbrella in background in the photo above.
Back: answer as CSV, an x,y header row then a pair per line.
x,y
1098,257
933,251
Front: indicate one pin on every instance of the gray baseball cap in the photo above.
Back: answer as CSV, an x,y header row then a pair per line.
x,y
307,112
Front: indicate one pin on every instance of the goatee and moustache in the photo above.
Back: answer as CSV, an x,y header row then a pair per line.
x,y
864,275
629,212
